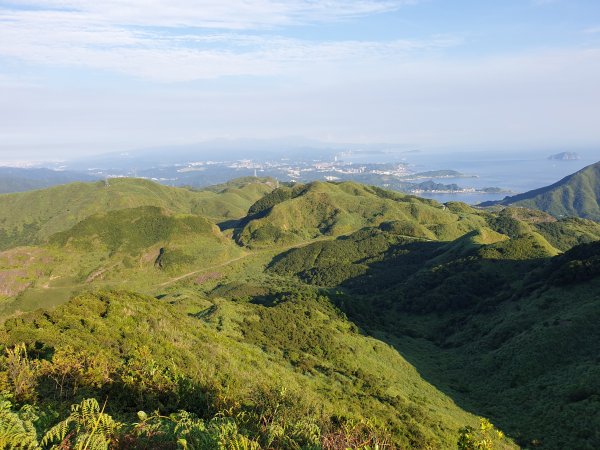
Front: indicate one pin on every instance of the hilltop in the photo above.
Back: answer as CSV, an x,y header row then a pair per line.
x,y
307,211
576,195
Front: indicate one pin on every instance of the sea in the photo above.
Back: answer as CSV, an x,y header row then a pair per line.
x,y
512,171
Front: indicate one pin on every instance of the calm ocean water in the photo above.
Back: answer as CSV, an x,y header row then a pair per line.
x,y
517,172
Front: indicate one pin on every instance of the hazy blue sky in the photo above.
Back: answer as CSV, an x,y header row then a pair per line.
x,y
88,76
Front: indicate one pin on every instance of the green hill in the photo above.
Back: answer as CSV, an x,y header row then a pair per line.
x,y
32,217
138,247
308,211
576,195
148,234
132,229
231,200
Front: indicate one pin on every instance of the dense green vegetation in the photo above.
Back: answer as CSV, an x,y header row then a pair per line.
x,y
132,229
231,200
499,325
318,316
303,212
577,195
32,217
568,233
314,380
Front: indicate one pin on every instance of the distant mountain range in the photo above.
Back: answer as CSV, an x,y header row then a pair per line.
x,y
16,179
577,195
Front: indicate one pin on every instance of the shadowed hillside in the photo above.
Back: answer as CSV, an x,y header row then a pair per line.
x,y
575,195
495,321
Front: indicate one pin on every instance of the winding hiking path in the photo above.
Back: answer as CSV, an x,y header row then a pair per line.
x,y
204,269
246,255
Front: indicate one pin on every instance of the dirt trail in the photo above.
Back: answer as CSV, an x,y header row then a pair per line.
x,y
231,261
204,269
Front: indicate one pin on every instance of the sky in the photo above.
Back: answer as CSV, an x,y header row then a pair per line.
x,y
80,77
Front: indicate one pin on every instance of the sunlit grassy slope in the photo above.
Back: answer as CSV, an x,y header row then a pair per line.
x,y
332,209
31,217
137,247
232,351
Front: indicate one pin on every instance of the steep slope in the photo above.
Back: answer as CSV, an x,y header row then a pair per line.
x,y
31,217
575,195
294,375
494,319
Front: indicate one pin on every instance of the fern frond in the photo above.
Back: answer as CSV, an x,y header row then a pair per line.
x,y
91,428
16,428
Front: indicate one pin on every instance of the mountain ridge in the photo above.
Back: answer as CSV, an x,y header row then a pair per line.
x,y
31,217
576,195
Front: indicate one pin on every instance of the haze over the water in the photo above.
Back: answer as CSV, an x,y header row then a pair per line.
x,y
80,77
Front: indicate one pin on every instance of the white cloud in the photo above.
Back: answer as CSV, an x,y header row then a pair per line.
x,y
366,90
75,38
229,14
532,99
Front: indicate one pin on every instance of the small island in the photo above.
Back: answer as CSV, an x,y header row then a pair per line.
x,y
565,156
431,187
437,174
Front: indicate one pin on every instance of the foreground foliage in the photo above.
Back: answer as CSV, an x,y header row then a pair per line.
x,y
284,374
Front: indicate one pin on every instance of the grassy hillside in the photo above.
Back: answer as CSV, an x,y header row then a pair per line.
x,y
325,315
577,195
233,199
132,229
137,247
496,321
294,374
567,233
308,211
31,217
